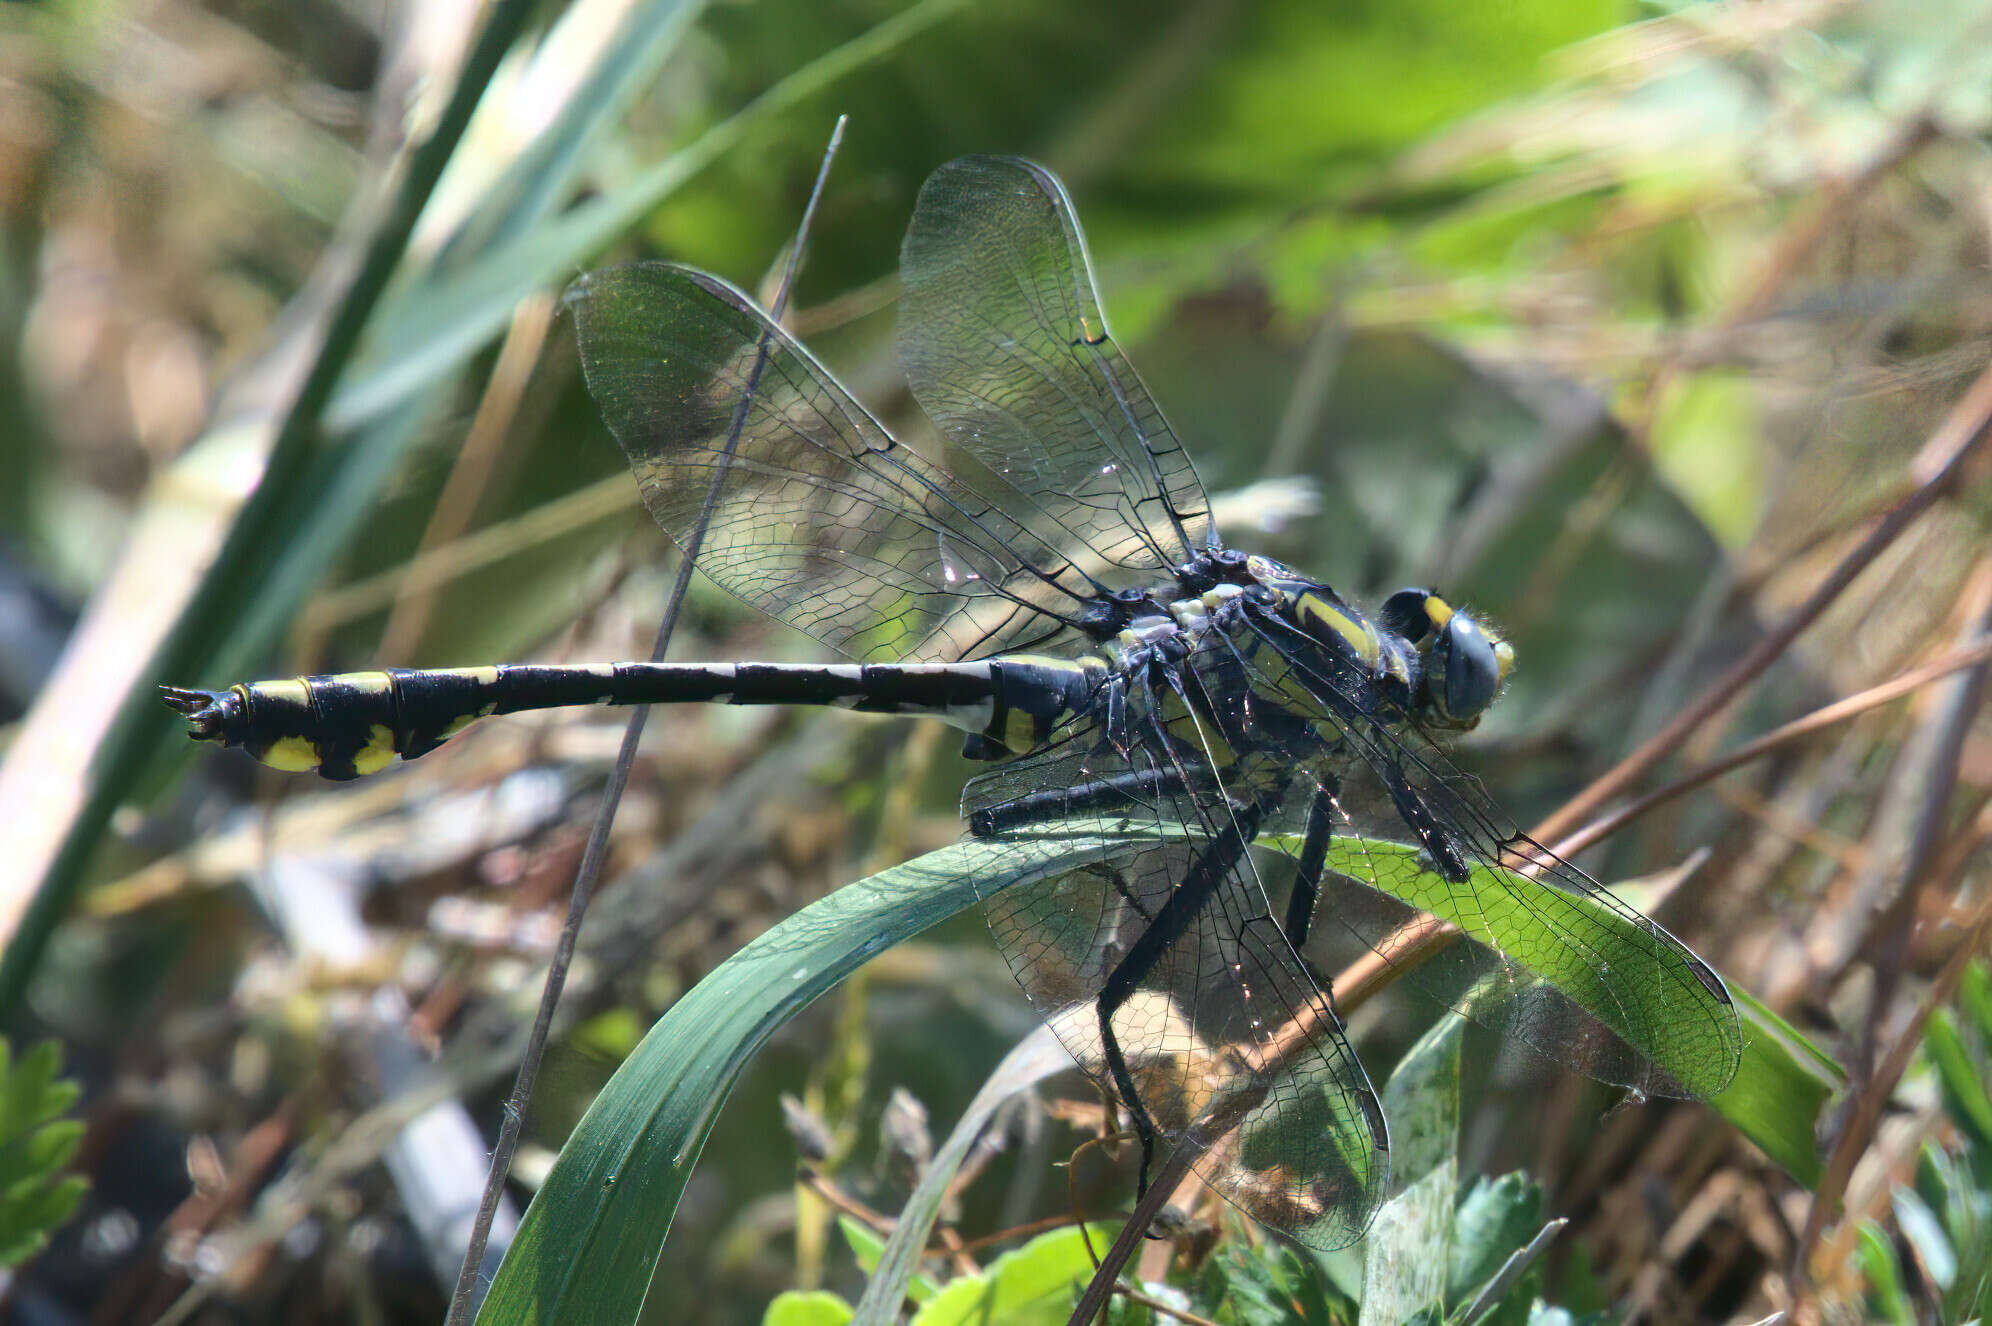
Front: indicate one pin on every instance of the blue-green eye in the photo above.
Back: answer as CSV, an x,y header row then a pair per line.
x,y
1462,669
1462,665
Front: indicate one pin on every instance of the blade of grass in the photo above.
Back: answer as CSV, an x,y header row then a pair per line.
x,y
140,728
540,176
430,331
585,1250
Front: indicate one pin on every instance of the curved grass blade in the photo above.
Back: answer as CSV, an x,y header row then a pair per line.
x,y
428,331
585,1251
1780,1091
1683,1026
1758,1072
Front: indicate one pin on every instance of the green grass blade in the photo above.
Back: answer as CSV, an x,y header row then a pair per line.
x,y
434,328
1655,1002
1780,1089
142,730
541,176
585,1250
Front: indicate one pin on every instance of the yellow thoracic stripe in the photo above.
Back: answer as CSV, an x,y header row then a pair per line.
x,y
1313,609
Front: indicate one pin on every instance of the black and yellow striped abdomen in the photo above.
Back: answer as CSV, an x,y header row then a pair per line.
x,y
357,723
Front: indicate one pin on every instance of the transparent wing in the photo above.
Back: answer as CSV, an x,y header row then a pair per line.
x,y
1560,963
1002,338
1230,1046
820,518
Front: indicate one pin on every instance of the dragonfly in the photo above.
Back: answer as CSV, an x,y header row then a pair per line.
x,y
1266,756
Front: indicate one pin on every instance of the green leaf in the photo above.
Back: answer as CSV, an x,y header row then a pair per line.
x,y
30,1094
1493,1302
1974,996
1270,1284
1421,1100
866,1246
1404,1255
1496,1218
1657,1004
1779,1090
1034,1286
813,1309
53,1145
1962,1080
1404,1266
1925,1233
35,1144
25,1226
1877,1259
870,1251
585,1250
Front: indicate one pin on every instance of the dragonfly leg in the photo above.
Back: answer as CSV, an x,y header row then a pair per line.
x,y
1307,875
1191,895
1107,794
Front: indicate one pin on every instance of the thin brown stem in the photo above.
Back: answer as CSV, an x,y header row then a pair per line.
x,y
1818,720
1956,441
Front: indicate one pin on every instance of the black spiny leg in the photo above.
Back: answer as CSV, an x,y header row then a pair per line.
x,y
1307,876
1105,794
1199,883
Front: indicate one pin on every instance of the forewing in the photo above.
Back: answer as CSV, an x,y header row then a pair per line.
x,y
1002,338
1233,1049
819,517
1560,963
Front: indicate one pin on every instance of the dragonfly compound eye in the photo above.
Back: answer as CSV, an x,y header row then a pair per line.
x,y
1464,669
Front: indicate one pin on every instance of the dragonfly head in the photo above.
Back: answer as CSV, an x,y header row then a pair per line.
x,y
1464,663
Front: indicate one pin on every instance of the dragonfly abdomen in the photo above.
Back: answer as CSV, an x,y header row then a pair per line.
x,y
355,723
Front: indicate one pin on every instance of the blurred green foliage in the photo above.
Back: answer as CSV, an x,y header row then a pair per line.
x,y
37,1194
1941,1250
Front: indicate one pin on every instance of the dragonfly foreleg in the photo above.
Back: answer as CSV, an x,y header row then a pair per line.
x,y
1191,895
1321,817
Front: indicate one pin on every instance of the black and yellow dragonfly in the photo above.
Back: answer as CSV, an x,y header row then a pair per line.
x,y
1262,749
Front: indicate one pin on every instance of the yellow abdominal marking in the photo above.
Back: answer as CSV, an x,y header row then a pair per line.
x,y
379,751
463,721
1185,726
293,692
292,755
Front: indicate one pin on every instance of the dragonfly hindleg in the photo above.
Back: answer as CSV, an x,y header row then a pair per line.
x,y
1190,896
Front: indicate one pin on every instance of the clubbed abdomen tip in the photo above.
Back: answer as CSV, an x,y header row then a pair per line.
x,y
207,712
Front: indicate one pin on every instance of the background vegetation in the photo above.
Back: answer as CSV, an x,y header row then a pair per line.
x,y
1658,333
